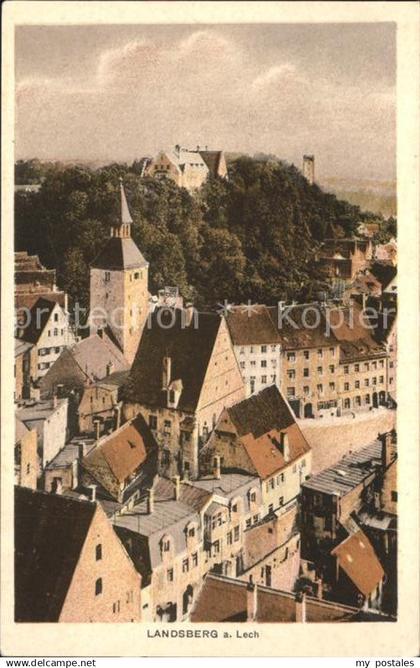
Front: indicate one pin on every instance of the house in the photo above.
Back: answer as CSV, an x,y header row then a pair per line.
x,y
340,501
32,281
49,419
180,530
122,463
69,564
257,346
25,370
387,252
260,436
185,372
83,364
99,403
344,258
224,599
119,296
188,168
62,473
47,327
26,456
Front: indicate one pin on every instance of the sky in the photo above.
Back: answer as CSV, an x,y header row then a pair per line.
x,y
117,93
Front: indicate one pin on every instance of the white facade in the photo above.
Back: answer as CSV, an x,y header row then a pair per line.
x,y
260,365
55,336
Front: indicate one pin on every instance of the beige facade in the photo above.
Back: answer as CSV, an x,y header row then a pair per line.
x,y
25,369
26,458
117,597
363,383
188,168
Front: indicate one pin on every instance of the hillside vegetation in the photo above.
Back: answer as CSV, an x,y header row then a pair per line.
x,y
251,237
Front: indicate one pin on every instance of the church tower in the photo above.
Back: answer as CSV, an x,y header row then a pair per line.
x,y
119,296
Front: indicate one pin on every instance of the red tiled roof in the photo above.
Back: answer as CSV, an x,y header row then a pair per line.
x,y
253,327
358,560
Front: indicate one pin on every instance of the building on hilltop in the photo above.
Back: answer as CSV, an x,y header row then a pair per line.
x,y
188,168
33,280
69,564
119,296
308,168
185,372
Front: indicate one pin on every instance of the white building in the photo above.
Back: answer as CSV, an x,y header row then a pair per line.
x,y
49,418
257,346
48,328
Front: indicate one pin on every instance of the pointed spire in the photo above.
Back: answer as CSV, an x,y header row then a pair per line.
x,y
125,211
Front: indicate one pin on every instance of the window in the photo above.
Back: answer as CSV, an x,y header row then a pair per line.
x,y
357,384
306,373
274,363
346,369
367,399
166,545
191,532
229,538
332,351
107,276
346,387
167,425
271,483
55,317
242,365
281,500
306,354
366,366
55,331
263,349
242,351
374,365
264,363
248,523
57,349
253,497
394,496
374,379
235,508
152,421
381,364
216,547
256,518
98,587
381,379
357,368
332,386
170,574
391,365
253,363
98,552
320,352
366,382
358,401
49,332
270,508
194,559
236,533
319,388
291,357
319,371
273,378
306,390
290,391
28,468
185,565
116,607
331,368
263,380
291,374
136,275
346,403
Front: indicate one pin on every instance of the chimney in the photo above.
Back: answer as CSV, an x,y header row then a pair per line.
x,y
109,368
97,424
118,416
217,472
251,601
300,607
386,440
166,372
177,483
284,446
81,450
92,493
75,473
150,501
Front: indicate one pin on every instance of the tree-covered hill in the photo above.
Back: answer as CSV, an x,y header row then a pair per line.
x,y
250,237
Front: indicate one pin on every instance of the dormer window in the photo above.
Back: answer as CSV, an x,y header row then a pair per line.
x,y
107,276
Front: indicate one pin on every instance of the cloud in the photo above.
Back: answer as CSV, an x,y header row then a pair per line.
x,y
202,89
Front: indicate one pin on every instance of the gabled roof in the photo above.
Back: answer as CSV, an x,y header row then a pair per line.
x,y
189,347
22,347
50,531
119,455
39,317
358,560
119,253
93,355
260,421
302,326
250,327
212,160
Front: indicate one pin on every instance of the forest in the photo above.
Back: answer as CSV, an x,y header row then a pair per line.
x,y
251,237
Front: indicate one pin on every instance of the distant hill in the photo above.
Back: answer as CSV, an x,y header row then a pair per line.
x,y
371,195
